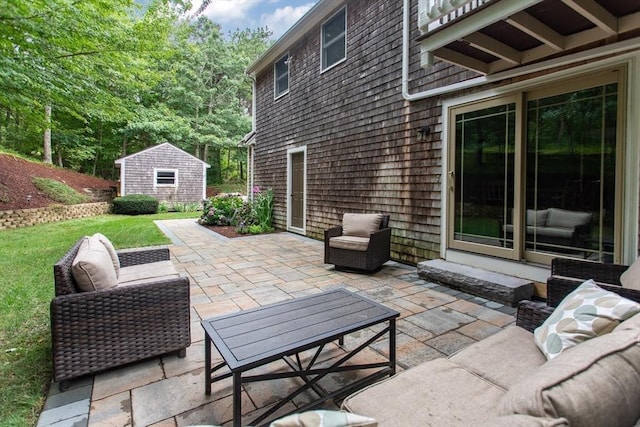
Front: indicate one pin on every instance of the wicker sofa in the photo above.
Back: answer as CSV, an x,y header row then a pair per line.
x,y
361,243
505,380
147,313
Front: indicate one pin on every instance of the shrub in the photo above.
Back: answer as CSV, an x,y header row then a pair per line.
x,y
135,204
220,210
59,191
257,217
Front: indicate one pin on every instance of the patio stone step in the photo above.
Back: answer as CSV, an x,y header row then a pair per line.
x,y
494,286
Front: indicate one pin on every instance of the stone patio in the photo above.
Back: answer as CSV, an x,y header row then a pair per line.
x,y
236,274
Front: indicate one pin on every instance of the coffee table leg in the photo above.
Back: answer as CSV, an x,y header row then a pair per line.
x,y
207,366
237,399
392,345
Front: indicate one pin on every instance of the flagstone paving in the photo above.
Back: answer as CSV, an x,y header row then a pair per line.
x,y
229,275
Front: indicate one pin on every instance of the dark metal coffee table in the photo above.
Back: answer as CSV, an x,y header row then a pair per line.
x,y
255,337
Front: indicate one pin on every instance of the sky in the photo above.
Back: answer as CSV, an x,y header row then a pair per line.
x,y
277,15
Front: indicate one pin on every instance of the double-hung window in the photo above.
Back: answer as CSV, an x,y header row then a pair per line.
x,y
281,76
334,40
165,177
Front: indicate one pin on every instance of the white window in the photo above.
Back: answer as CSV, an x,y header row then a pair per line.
x,y
334,40
166,177
281,76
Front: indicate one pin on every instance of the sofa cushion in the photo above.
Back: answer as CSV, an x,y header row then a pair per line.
x,y
434,393
92,267
586,312
567,219
595,383
110,249
141,273
360,225
557,232
520,420
323,418
351,243
631,277
504,358
537,218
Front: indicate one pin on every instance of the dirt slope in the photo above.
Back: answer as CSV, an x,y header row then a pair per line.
x,y
16,185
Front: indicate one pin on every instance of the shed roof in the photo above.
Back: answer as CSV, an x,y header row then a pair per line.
x,y
155,147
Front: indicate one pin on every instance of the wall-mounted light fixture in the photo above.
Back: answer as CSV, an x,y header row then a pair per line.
x,y
423,131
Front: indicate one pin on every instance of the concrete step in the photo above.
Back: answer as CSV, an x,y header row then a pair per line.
x,y
493,286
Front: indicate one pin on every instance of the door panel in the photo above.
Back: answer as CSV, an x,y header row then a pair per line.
x,y
297,190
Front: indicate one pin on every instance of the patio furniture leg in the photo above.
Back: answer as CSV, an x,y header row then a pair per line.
x,y
237,399
392,345
207,366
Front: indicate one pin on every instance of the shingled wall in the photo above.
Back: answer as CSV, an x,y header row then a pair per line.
x,y
363,154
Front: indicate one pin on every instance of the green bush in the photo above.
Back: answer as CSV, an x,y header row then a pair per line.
x,y
220,210
135,204
257,216
59,191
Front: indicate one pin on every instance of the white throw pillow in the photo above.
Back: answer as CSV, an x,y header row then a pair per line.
x,y
585,313
92,268
322,418
110,249
631,278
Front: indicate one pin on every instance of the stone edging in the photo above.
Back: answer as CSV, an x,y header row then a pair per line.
x,y
56,213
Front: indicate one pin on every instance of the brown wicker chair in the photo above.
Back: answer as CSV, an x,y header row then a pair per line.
x,y
566,275
378,251
93,331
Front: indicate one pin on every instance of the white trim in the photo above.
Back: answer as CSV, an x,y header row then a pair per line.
x,y
155,177
632,148
275,76
121,160
291,151
123,187
632,158
588,55
322,68
204,182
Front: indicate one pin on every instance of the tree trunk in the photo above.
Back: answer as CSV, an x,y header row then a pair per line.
x,y
47,135
124,146
216,170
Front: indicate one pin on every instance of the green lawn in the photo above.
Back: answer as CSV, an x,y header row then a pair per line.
x,y
27,256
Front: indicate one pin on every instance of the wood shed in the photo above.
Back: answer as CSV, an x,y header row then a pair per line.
x,y
164,171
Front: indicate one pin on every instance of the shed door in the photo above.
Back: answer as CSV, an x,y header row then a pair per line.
x,y
297,190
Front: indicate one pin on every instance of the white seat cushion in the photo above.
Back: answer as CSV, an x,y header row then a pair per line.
x,y
631,278
351,243
434,393
156,271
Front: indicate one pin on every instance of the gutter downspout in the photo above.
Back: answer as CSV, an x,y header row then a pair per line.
x,y
251,148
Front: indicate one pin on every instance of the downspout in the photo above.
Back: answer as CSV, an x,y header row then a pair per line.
x,y
250,147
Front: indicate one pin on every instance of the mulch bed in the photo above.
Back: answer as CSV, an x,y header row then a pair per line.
x,y
226,231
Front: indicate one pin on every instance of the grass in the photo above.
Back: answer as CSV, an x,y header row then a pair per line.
x,y
27,256
59,191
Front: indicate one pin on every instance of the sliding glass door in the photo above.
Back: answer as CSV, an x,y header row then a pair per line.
x,y
536,174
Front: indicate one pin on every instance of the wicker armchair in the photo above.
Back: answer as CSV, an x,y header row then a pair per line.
x,y
566,275
378,250
93,331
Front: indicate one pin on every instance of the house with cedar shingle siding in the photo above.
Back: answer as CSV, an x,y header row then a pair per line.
x,y
165,172
496,133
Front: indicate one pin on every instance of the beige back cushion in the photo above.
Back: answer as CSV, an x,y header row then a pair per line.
x,y
92,267
631,278
360,225
110,249
592,384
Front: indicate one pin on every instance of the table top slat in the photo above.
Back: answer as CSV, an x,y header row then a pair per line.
x,y
248,325
253,337
289,340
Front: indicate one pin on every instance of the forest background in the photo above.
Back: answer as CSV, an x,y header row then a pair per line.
x,y
84,82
